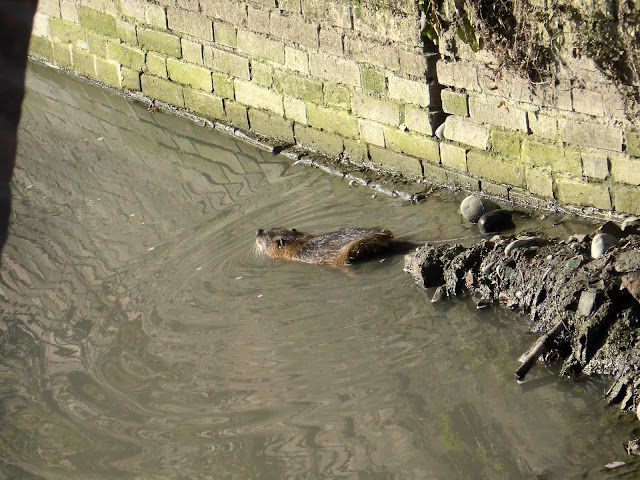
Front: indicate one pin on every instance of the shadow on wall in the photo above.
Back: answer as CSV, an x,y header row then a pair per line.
x,y
16,18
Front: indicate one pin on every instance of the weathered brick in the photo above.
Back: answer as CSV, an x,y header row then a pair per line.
x,y
495,111
540,181
355,151
626,199
406,165
222,85
595,165
83,61
335,69
192,52
418,65
97,21
130,79
372,80
97,43
187,74
541,154
237,114
413,144
292,6
40,26
262,74
455,103
295,109
162,90
230,11
332,120
410,91
294,29
225,34
256,96
372,132
62,54
155,15
453,156
422,121
260,48
108,72
461,75
466,131
496,168
192,5
258,19
543,125
202,103
69,11
625,169
156,65
505,142
632,143
389,25
334,13
129,57
331,40
296,60
337,96
573,191
133,9
270,125
369,51
191,23
326,142
585,101
376,109
41,47
65,32
160,42
590,134
225,62
299,87
49,8
126,32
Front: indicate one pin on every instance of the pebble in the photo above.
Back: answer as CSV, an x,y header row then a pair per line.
x,y
601,243
495,221
474,206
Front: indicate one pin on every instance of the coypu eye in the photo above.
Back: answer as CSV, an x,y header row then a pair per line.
x,y
294,230
259,232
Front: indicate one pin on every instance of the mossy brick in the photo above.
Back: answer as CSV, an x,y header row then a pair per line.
x,y
222,85
69,11
595,165
41,47
108,72
62,54
416,145
355,150
97,21
83,61
155,15
453,156
325,142
295,109
230,11
334,69
127,32
163,90
542,125
127,56
373,52
372,132
495,111
495,168
539,181
296,60
455,103
466,131
262,74
260,48
293,28
376,109
156,64
192,52
332,120
505,142
254,95
337,96
66,32
237,114
188,74
299,87
389,160
425,94
130,79
190,23
632,143
576,191
225,62
458,74
372,80
97,44
258,19
271,126
626,199
625,169
538,153
334,13
590,134
206,104
160,42
225,34
423,121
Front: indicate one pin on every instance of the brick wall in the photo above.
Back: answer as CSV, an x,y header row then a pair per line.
x,y
355,83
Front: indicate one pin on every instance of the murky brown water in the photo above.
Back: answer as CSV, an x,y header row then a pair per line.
x,y
143,338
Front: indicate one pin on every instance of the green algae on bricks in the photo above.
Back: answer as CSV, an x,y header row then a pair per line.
x,y
97,21
129,57
205,104
160,42
108,72
187,74
66,32
577,192
162,90
455,103
332,120
156,65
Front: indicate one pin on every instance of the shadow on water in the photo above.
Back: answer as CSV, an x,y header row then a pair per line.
x,y
143,338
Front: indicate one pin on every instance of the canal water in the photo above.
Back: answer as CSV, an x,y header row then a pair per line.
x,y
143,338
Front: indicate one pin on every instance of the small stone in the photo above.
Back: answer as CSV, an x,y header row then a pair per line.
x,y
474,206
439,294
628,261
586,303
611,229
601,243
495,221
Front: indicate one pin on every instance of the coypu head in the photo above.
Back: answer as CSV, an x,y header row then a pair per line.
x,y
275,242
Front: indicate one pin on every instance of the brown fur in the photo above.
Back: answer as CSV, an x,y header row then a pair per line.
x,y
334,248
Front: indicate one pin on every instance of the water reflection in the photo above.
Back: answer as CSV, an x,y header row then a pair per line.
x,y
143,338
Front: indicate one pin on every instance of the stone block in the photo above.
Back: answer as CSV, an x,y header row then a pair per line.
x,y
632,143
466,131
331,40
191,75
237,114
40,26
334,13
422,121
155,15
332,120
355,151
83,61
335,69
159,42
98,21
417,65
69,11
295,109
625,169
543,125
541,154
41,47
226,62
456,178
372,80
626,199
260,48
414,92
192,52
222,86
496,168
337,96
505,142
405,165
455,103
572,191
372,52
163,90
230,11
62,54
97,43
258,20
372,132
389,25
325,142
156,65
595,165
262,74
108,72
205,104
586,101
293,6
129,57
256,96
453,156
65,32
416,145
296,60
376,109
49,8
294,29
590,134
299,87
127,32
462,75
133,9
270,125
130,79
494,111
225,34
540,181
191,23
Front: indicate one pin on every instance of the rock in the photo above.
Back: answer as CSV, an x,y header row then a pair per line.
x,y
609,228
601,243
627,262
495,221
474,206
631,225
632,283
587,302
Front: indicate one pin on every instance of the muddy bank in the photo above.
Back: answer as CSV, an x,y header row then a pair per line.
x,y
585,308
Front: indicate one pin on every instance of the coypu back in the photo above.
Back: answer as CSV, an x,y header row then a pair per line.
x,y
333,248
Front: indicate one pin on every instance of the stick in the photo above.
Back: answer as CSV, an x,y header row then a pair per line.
x,y
540,347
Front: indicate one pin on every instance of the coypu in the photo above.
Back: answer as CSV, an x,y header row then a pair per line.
x,y
333,248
